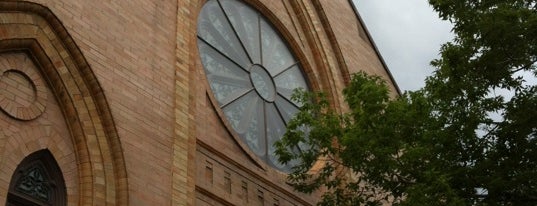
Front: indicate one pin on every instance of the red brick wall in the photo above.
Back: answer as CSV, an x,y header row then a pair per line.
x,y
130,46
144,55
48,130
358,53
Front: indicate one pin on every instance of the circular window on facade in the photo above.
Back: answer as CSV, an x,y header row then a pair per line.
x,y
252,74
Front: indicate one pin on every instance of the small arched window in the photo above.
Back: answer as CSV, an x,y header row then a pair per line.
x,y
37,181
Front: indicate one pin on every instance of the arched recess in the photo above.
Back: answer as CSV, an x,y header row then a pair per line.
x,y
37,181
35,30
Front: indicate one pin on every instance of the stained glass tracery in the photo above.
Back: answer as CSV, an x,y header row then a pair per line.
x,y
251,72
34,182
37,181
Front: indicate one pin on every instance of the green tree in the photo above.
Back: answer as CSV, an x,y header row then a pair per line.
x,y
457,141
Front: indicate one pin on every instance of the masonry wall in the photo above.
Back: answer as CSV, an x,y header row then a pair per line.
x,y
130,46
177,148
20,137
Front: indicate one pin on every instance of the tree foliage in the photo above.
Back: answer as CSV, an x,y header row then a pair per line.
x,y
469,137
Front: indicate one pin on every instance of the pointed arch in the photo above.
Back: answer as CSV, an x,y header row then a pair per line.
x,y
34,29
37,180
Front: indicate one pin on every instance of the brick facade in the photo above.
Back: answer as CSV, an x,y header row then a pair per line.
x,y
116,92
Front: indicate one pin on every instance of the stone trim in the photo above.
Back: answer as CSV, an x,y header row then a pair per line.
x,y
184,140
333,41
326,65
33,28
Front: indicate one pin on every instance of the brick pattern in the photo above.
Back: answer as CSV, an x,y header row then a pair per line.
x,y
49,131
223,183
184,141
358,53
331,72
100,169
130,47
23,91
158,125
221,152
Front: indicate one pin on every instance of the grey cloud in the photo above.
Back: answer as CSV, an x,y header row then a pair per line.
x,y
408,34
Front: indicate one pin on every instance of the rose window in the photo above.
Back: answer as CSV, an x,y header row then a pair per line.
x,y
252,74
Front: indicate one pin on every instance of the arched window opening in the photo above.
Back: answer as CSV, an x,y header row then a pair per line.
x,y
37,181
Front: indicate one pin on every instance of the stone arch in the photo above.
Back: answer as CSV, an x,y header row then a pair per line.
x,y
34,29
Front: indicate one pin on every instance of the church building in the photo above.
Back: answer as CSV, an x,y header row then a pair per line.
x,y
165,102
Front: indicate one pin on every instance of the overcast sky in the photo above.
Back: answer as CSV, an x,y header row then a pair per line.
x,y
408,34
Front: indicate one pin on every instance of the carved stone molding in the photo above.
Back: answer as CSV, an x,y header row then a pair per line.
x,y
33,28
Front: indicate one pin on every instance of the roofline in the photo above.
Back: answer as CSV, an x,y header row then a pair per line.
x,y
374,46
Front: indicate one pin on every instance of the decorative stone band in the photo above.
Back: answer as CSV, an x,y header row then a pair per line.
x,y
23,93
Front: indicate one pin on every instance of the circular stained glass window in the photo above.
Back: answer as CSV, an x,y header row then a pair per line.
x,y
251,72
